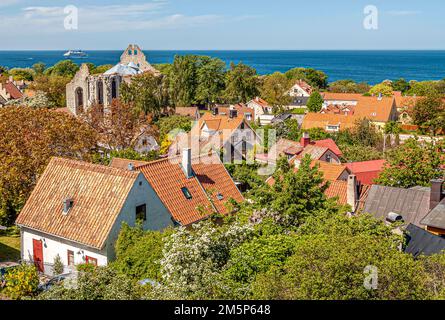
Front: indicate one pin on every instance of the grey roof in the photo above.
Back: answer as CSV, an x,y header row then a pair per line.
x,y
281,117
123,69
299,101
411,204
420,242
436,217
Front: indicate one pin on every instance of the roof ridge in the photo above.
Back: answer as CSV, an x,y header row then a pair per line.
x,y
88,165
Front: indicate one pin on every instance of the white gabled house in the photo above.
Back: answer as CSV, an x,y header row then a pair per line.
x,y
77,209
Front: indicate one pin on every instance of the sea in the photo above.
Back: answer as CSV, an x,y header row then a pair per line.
x,y
368,66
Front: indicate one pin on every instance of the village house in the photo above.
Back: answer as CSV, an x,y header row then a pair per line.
x,y
230,134
10,90
76,211
340,111
366,171
86,89
242,110
263,111
324,150
143,141
299,93
418,205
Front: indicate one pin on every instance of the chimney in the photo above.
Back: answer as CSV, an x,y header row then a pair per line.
x,y
305,140
436,194
187,162
351,192
130,167
233,113
215,111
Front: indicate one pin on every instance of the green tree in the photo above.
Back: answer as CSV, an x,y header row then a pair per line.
x,y
58,266
427,110
242,83
411,164
54,89
148,93
381,88
210,78
356,153
39,68
65,68
183,80
315,78
22,74
348,86
401,85
275,89
325,267
138,253
29,137
294,194
101,69
315,102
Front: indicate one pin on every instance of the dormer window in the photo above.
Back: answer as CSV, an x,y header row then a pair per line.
x,y
67,205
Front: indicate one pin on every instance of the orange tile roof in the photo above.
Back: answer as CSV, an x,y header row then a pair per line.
x,y
123,163
331,171
261,102
372,108
338,189
99,192
322,120
191,112
341,96
220,122
167,178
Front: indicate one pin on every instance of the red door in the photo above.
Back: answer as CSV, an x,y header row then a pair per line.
x,y
38,254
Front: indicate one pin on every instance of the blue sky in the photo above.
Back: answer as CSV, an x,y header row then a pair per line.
x,y
222,24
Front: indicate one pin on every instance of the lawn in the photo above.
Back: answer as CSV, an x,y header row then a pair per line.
x,y
9,248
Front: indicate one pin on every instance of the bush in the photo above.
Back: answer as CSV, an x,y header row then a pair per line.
x,y
21,282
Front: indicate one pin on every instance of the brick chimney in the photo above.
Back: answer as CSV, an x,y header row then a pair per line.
x,y
436,194
351,192
187,162
305,140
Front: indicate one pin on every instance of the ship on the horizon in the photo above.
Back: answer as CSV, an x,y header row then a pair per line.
x,y
75,54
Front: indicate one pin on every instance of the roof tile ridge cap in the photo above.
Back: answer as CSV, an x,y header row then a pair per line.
x,y
88,165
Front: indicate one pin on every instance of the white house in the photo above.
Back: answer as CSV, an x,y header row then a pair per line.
x,y
144,141
263,111
77,209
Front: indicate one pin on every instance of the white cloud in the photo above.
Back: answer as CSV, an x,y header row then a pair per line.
x,y
111,18
403,13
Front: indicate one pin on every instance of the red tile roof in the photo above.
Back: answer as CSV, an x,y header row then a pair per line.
x,y
338,189
330,144
366,171
14,92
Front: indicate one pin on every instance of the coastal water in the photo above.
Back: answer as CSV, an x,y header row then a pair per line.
x,y
369,66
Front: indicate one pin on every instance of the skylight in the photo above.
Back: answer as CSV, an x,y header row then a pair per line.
x,y
219,196
186,193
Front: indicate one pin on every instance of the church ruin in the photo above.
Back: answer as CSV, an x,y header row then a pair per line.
x,y
86,89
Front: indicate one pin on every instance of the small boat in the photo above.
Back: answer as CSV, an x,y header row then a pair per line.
x,y
75,54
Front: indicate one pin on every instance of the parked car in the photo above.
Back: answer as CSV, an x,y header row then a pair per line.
x,y
53,281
